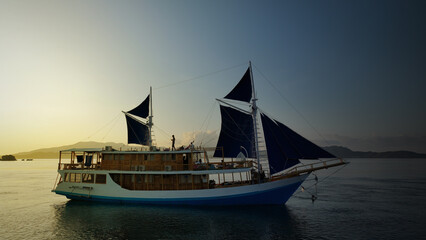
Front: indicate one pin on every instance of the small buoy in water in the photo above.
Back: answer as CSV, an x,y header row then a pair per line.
x,y
314,198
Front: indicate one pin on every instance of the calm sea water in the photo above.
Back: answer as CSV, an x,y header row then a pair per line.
x,y
368,199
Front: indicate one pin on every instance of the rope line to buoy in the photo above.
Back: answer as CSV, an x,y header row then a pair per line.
x,y
318,181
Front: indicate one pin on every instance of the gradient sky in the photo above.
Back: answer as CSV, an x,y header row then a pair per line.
x,y
348,73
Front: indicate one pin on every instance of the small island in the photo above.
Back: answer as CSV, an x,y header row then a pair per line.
x,y
8,158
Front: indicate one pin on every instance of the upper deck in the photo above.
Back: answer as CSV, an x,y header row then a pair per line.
x,y
158,161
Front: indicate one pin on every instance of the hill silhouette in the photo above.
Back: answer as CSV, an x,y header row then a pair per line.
x,y
344,152
53,152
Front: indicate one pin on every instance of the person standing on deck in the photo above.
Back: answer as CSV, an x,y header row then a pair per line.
x,y
173,142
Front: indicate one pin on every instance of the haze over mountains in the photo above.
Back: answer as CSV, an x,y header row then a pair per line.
x,y
53,152
343,152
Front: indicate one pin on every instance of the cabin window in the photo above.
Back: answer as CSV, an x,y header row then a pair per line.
x,y
67,177
75,177
119,157
148,178
197,179
204,178
173,157
78,177
72,177
185,179
115,177
127,178
88,178
101,178
145,157
108,157
138,178
152,157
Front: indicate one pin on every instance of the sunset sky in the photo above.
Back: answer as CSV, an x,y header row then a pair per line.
x,y
349,73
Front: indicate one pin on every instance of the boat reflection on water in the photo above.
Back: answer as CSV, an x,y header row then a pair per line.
x,y
113,221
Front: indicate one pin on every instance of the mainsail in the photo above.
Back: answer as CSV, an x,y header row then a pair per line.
x,y
139,132
237,131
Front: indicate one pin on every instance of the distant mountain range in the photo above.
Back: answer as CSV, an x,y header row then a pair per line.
x,y
343,152
48,153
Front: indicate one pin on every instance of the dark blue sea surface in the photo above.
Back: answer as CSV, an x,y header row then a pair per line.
x,y
367,199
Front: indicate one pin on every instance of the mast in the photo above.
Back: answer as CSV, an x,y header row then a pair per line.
x,y
254,115
149,124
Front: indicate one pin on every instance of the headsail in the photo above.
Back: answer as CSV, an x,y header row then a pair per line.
x,y
306,148
137,132
236,131
243,90
285,147
142,110
280,154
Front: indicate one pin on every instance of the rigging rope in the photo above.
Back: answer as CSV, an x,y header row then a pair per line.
x,y
113,120
207,121
163,131
201,76
317,182
197,78
113,125
292,106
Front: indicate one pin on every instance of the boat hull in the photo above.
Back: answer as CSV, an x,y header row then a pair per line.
x,y
269,193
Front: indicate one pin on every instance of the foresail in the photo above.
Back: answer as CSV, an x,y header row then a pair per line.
x,y
137,132
285,147
142,110
280,153
236,131
306,148
243,90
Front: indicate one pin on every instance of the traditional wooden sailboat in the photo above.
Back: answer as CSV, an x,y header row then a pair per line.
x,y
240,176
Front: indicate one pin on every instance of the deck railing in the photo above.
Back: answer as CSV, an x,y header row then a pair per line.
x,y
77,166
159,167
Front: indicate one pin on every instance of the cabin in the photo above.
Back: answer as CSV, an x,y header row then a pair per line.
x,y
188,169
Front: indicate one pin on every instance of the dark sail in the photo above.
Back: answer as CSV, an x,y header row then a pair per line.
x,y
280,154
285,147
236,131
243,90
136,132
142,110
306,148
